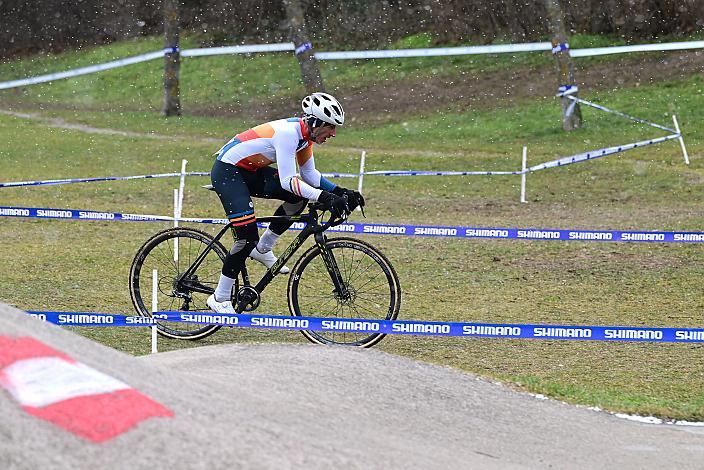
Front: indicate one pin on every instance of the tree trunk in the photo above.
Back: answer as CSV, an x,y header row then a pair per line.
x,y
172,59
304,50
571,112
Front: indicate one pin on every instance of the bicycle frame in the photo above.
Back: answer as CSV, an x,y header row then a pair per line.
x,y
313,227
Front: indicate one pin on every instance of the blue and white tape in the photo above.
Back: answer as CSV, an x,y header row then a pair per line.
x,y
399,327
346,55
661,47
437,173
390,229
594,154
84,70
564,90
434,51
11,184
618,113
97,179
244,49
306,46
560,48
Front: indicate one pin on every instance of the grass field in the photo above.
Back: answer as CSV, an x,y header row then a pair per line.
x,y
83,266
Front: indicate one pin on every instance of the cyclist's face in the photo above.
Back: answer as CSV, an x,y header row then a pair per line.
x,y
322,133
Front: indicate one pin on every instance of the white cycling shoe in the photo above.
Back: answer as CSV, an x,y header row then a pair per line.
x,y
267,259
219,307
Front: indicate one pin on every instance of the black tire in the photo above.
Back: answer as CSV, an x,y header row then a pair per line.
x,y
158,253
365,271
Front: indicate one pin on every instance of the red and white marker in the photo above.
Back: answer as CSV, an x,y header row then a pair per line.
x,y
50,385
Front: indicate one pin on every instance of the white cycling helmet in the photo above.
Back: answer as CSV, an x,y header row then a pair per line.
x,y
324,107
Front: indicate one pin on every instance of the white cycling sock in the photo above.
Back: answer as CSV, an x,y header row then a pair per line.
x,y
224,289
267,241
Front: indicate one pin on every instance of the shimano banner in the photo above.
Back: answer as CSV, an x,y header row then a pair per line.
x,y
391,229
400,327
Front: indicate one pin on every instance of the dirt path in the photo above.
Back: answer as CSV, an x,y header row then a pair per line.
x,y
60,123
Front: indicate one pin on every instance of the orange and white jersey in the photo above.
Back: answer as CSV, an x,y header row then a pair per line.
x,y
285,142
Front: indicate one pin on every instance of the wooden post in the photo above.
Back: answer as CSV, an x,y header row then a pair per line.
x,y
310,72
571,112
172,59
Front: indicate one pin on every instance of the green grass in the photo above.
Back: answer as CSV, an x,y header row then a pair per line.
x,y
83,266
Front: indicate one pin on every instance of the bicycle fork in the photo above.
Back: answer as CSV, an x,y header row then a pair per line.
x,y
333,270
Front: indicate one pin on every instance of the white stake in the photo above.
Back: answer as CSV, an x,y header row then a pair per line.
x,y
155,307
181,185
176,216
523,174
684,149
361,173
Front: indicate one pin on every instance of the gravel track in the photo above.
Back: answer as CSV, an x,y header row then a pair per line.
x,y
294,406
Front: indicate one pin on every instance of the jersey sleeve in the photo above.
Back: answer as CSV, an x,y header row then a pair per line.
x,y
285,146
306,164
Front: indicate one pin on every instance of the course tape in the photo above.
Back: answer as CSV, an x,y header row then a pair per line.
x,y
612,111
244,49
437,173
400,327
669,46
389,229
561,47
103,178
594,154
564,90
435,51
380,54
576,158
84,70
16,184
302,48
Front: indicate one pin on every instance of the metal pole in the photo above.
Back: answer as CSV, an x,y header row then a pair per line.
x,y
361,173
181,185
176,216
155,307
523,174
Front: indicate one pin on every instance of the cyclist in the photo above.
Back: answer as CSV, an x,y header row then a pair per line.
x,y
242,170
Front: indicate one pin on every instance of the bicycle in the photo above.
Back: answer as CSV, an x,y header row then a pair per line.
x,y
337,277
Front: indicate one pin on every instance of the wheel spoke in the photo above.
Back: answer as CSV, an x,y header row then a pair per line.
x,y
372,288
158,253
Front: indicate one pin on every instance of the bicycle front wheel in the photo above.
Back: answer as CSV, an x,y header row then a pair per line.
x,y
159,252
373,286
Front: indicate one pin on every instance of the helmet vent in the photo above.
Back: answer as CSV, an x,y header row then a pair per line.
x,y
323,107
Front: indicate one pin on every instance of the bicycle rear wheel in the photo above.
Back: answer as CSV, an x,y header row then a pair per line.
x,y
158,253
375,291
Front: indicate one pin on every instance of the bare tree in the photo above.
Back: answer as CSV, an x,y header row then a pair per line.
x,y
312,79
571,113
172,59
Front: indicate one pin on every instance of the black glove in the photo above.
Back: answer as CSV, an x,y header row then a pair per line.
x,y
337,205
354,198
